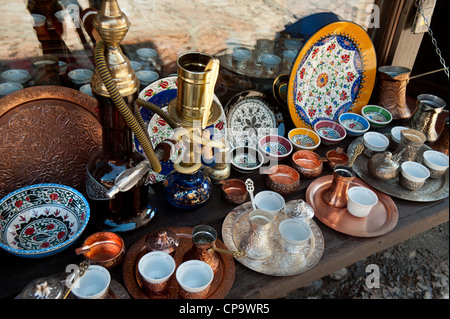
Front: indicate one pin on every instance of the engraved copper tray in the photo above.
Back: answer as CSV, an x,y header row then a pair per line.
x,y
220,286
236,225
48,134
381,220
432,190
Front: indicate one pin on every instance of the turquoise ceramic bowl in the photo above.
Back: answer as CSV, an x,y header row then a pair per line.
x,y
354,124
42,220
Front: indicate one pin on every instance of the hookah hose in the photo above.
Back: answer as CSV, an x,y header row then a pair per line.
x,y
118,100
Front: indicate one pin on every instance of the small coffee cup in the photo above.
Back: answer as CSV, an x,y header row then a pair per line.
x,y
374,143
295,234
361,200
194,278
94,284
156,268
413,175
436,162
269,201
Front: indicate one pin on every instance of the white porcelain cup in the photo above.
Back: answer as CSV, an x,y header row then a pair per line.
x,y
94,284
269,201
194,277
241,56
436,162
270,62
295,234
146,77
156,268
374,142
413,175
361,200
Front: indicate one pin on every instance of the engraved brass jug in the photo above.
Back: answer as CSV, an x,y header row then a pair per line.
x,y
425,116
392,90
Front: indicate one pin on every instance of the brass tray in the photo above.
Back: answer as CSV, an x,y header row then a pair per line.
x,y
432,190
381,220
220,286
48,134
237,224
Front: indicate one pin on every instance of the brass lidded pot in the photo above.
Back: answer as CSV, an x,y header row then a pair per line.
x,y
43,288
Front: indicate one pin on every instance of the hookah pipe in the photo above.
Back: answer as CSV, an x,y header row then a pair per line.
x,y
130,177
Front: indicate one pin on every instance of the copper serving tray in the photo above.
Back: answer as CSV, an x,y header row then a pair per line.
x,y
220,286
48,134
381,220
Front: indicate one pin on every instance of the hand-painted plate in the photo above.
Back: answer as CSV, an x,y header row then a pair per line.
x,y
250,117
160,93
334,73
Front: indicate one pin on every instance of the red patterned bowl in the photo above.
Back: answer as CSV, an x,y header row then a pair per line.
x,y
275,147
330,132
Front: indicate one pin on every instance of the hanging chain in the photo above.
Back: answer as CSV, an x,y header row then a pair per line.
x,y
433,40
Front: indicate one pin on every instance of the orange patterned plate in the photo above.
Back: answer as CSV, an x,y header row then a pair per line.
x,y
334,73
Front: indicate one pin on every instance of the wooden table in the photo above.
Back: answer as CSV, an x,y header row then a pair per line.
x,y
340,250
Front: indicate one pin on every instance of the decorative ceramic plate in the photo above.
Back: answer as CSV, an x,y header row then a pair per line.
x,y
250,117
47,135
334,73
160,93
42,220
237,225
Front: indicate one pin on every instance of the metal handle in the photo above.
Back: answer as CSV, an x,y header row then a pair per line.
x,y
235,254
358,150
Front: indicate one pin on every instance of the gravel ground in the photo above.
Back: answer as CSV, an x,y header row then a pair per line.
x,y
417,268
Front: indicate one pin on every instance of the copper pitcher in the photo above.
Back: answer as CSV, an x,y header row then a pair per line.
x,y
425,116
392,90
336,194
203,240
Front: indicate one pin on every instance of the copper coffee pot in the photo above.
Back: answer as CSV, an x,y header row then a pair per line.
x,y
392,90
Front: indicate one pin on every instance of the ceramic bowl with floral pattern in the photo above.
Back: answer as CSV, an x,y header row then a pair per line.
x,y
354,124
246,159
304,139
376,115
275,147
42,219
330,132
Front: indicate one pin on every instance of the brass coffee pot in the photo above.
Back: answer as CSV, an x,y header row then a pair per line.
x,y
425,116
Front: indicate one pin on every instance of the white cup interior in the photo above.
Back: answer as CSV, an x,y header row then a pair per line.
x,y
414,171
156,266
241,54
93,284
269,201
295,231
375,141
362,196
194,275
436,160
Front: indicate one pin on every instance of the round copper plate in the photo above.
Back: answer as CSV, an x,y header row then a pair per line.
x,y
220,286
381,220
48,134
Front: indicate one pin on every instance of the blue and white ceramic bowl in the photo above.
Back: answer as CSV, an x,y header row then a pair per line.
x,y
42,220
354,124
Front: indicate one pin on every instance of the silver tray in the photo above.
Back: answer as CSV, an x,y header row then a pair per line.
x,y
432,190
236,225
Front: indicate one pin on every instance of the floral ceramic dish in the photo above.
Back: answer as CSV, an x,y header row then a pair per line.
x,y
42,220
304,139
330,132
275,147
246,159
354,124
376,115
